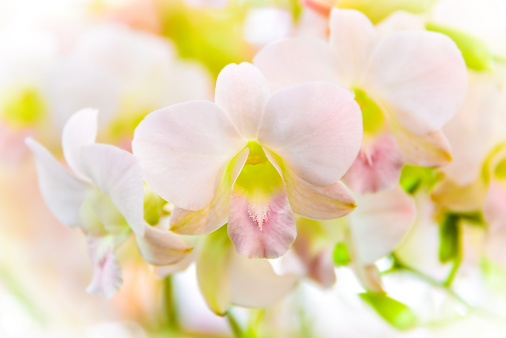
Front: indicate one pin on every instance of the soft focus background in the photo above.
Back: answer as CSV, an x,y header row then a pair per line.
x,y
131,57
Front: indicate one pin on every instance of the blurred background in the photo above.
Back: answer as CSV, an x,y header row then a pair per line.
x,y
130,57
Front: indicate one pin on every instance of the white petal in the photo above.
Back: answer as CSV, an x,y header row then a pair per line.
x,y
316,128
420,77
352,39
162,247
107,277
184,150
242,91
117,173
312,201
80,130
63,193
380,223
254,283
293,61
215,214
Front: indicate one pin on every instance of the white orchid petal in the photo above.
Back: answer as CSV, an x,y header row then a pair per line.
x,y
161,247
107,277
242,91
420,77
352,39
380,223
316,128
63,193
117,173
80,130
184,150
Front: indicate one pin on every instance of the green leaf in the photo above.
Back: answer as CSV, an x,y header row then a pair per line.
x,y
449,234
394,312
341,255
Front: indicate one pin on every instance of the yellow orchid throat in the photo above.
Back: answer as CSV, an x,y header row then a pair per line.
x,y
258,182
372,116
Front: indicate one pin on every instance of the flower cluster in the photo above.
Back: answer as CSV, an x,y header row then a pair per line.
x,y
377,144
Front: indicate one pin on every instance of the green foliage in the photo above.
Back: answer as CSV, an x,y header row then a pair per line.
x,y
475,52
341,255
378,10
394,312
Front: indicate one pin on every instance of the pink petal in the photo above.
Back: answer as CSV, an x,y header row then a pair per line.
x,y
63,193
261,223
312,201
316,128
380,222
377,166
118,174
420,77
107,278
184,150
294,61
242,91
352,39
215,214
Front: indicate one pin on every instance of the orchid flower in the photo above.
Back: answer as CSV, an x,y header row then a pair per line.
x,y
408,84
104,197
252,158
375,229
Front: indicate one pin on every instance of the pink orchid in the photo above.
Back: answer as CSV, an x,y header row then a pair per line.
x,y
408,84
252,158
104,197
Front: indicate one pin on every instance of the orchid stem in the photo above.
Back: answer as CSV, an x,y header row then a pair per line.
x,y
234,325
170,304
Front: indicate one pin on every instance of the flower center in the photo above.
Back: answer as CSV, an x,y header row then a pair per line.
x,y
372,115
24,108
256,154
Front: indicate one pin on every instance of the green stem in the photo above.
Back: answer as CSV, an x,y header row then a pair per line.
x,y
170,304
234,325
445,284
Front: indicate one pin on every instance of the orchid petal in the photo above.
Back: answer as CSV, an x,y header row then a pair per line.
x,y
213,267
107,278
117,173
254,283
459,198
377,166
316,128
166,270
292,61
242,91
420,77
312,201
80,130
215,214
63,193
161,247
369,277
380,223
261,223
352,40
428,150
184,150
